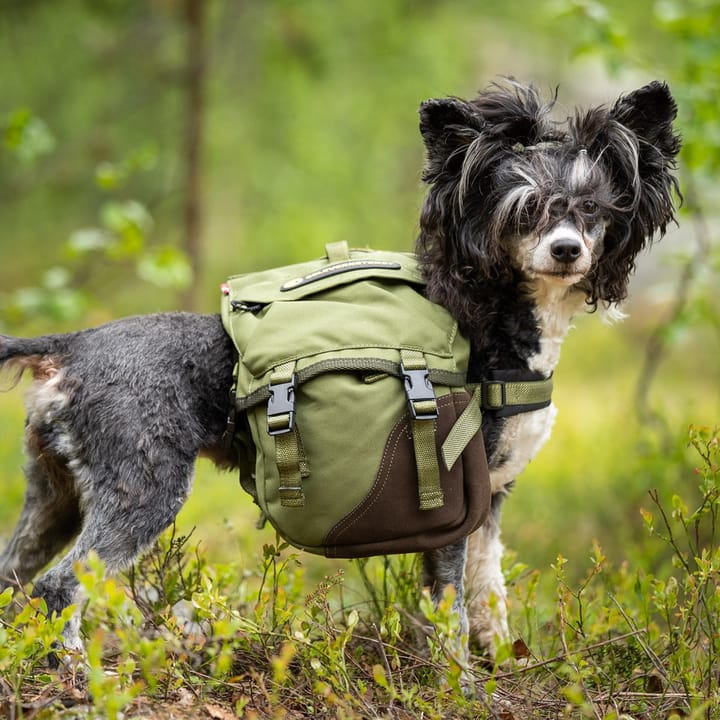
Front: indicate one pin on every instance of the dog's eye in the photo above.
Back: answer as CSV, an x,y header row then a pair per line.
x,y
590,207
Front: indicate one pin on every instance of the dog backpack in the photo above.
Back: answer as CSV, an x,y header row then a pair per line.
x,y
355,427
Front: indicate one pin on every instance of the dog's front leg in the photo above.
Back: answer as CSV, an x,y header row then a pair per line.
x,y
443,567
485,584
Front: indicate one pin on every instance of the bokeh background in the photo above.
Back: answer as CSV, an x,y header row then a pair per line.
x,y
150,148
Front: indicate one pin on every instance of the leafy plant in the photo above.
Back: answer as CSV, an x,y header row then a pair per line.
x,y
121,237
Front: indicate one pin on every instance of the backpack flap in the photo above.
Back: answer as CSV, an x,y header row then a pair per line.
x,y
369,311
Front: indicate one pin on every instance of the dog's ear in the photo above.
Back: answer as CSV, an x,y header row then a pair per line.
x,y
649,114
448,126
635,140
636,143
486,129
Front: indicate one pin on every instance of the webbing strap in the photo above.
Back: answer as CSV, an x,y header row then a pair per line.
x,y
463,431
290,460
423,406
364,366
428,470
502,397
337,251
515,396
287,457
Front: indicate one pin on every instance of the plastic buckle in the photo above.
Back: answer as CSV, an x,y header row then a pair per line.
x,y
419,389
281,402
488,389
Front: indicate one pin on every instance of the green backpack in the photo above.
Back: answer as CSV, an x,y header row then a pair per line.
x,y
357,432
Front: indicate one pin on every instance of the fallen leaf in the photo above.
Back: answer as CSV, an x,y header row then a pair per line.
x,y
654,683
520,649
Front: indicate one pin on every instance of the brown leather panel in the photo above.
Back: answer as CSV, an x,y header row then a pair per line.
x,y
389,519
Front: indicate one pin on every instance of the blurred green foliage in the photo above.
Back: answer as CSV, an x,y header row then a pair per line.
x,y
310,115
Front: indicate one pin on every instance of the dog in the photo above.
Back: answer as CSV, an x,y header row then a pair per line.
x,y
526,223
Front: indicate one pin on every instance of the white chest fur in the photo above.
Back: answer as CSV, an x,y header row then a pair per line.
x,y
524,434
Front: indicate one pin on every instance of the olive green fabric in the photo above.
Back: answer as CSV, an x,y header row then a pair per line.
x,y
352,382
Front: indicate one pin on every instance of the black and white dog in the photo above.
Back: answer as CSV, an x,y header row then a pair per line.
x,y
526,223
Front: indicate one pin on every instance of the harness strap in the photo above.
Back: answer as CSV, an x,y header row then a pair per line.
x,y
503,398
423,408
463,431
510,397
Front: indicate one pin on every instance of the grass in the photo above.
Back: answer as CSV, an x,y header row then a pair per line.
x,y
612,593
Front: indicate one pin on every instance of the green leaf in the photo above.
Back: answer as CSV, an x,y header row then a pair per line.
x,y
380,677
119,216
56,278
109,176
6,597
89,239
27,137
165,267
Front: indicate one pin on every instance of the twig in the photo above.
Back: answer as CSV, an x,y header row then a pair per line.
x,y
383,654
561,658
646,648
566,651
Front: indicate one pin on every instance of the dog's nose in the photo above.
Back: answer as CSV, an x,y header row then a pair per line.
x,y
566,250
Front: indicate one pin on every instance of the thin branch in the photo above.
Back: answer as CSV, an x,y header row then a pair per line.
x,y
657,345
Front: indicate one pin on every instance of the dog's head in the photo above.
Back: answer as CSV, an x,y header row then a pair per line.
x,y
515,195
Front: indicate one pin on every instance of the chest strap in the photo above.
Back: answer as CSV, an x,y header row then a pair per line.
x,y
510,397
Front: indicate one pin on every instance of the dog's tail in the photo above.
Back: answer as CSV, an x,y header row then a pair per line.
x,y
41,355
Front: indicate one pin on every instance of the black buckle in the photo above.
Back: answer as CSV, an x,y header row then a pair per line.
x,y
419,389
486,395
281,402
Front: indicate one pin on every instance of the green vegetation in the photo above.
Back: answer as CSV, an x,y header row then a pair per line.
x,y
182,635
310,135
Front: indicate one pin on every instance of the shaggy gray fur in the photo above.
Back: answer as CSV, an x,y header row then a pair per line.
x,y
117,416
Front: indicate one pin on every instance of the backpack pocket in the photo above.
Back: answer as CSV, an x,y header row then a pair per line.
x,y
343,481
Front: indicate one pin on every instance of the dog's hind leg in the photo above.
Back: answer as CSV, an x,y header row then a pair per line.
x,y
49,520
129,508
486,594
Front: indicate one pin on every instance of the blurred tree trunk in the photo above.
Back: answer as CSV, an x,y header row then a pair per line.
x,y
194,17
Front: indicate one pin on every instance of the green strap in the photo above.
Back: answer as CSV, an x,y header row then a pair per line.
x,y
492,395
424,412
290,459
359,365
463,431
497,394
287,457
428,470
